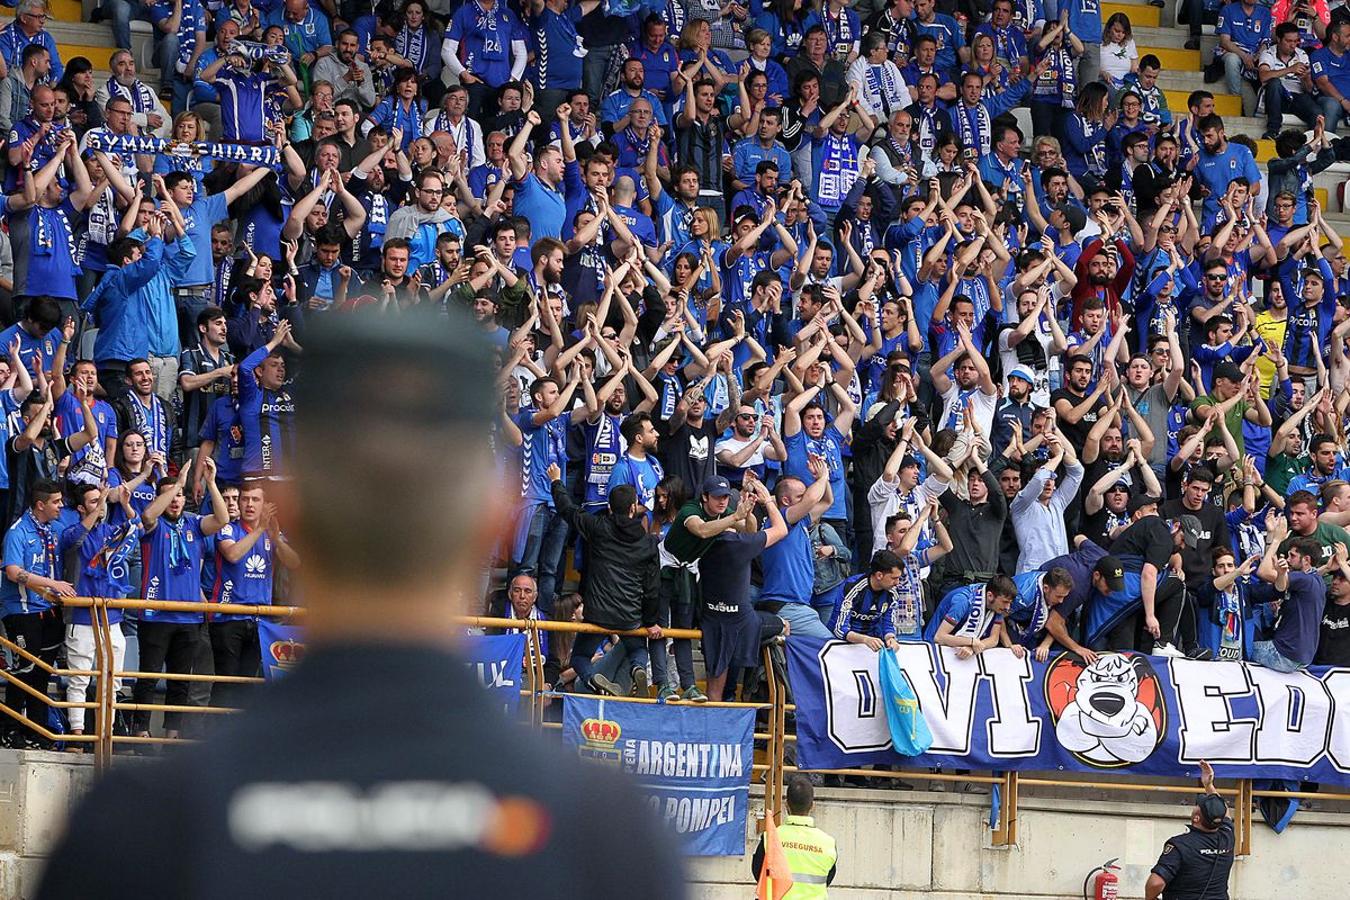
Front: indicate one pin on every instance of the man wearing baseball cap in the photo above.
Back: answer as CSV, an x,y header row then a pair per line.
x,y
697,525
1016,406
1145,614
1197,864
1228,383
1093,571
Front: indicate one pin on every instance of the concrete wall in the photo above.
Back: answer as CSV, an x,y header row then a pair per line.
x,y
902,845
893,845
37,791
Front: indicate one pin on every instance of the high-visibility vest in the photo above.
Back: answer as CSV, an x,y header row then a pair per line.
x,y
810,855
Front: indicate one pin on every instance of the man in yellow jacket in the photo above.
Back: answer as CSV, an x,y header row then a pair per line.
x,y
811,853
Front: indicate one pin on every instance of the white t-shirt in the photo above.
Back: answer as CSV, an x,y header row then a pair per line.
x,y
1040,391
953,408
1291,82
1116,59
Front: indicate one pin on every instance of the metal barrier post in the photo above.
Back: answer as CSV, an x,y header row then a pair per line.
x,y
775,771
1005,834
98,616
1244,817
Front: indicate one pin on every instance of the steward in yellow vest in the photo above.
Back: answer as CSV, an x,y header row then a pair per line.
x,y
810,852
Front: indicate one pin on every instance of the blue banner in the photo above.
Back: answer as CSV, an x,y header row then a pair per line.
x,y
497,661
1126,712
692,764
283,646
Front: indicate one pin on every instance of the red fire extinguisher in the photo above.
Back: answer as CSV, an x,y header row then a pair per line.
x,y
1106,885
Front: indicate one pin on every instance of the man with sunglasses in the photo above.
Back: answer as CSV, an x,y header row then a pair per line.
x,y
753,440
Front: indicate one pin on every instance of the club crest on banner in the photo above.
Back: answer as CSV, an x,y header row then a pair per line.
x,y
600,737
1107,714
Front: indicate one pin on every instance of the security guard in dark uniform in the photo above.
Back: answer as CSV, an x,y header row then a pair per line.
x,y
1196,865
376,768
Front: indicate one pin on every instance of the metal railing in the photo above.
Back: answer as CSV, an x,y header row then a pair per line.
x,y
770,772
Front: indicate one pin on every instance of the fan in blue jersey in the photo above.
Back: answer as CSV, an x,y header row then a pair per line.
x,y
32,563
970,618
1038,593
42,224
869,609
267,411
243,94
247,553
172,548
104,552
537,546
484,47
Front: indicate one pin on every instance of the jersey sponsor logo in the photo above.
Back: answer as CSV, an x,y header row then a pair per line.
x,y
255,565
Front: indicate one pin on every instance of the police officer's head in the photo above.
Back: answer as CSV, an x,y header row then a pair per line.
x,y
1209,812
801,796
379,398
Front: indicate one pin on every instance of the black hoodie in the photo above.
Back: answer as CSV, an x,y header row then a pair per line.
x,y
621,570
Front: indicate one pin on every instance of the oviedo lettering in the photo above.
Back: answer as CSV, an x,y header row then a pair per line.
x,y
1126,711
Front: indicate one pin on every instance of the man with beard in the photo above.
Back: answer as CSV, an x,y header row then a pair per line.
x,y
688,436
1015,408
972,392
1221,162
422,222
1103,272
1106,506
1076,408
147,112
632,81
346,71
754,439
539,195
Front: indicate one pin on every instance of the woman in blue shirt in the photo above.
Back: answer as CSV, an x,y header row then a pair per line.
x,y
785,23
404,109
1085,135
187,128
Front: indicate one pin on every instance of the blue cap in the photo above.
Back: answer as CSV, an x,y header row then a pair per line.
x,y
716,486
1023,373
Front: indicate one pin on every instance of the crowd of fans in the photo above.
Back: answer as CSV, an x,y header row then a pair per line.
x,y
917,387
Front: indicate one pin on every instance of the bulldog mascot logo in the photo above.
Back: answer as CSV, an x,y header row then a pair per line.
x,y
1108,714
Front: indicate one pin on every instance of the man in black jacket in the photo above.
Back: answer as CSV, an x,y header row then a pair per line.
x,y
619,581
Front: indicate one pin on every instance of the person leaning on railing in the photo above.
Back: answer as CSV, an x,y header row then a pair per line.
x,y
32,621
620,587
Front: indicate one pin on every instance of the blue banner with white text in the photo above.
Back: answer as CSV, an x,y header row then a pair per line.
x,y
692,764
497,661
282,646
1125,712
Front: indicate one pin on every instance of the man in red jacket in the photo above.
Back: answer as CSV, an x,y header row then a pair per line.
x,y
1103,271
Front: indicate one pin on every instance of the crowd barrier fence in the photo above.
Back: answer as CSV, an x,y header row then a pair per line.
x,y
771,735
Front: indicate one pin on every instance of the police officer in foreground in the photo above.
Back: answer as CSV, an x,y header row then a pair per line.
x,y
377,768
1195,865
811,853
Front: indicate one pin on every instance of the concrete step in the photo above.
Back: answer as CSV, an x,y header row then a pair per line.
x,y
1139,13
1142,13
1172,38
1224,104
1173,58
